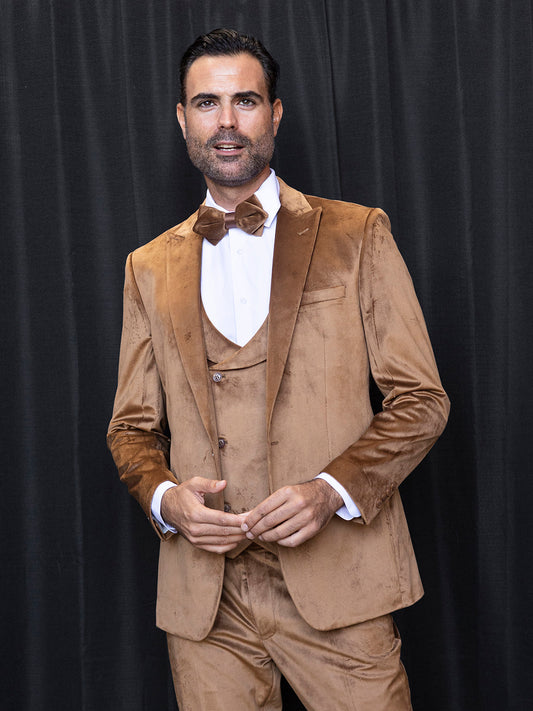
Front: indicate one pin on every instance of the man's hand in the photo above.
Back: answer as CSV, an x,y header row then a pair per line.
x,y
293,514
209,529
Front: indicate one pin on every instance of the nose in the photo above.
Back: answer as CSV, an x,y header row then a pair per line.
x,y
227,117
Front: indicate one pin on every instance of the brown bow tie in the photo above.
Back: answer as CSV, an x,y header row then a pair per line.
x,y
213,224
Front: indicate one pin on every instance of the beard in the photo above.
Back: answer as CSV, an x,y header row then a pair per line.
x,y
231,171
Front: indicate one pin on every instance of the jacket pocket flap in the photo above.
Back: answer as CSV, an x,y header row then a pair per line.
x,y
332,292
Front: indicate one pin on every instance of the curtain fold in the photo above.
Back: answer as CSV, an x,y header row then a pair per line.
x,y
424,109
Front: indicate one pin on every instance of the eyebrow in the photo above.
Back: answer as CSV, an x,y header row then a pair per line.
x,y
239,95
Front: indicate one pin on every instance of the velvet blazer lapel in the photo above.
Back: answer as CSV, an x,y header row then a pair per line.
x,y
184,262
296,231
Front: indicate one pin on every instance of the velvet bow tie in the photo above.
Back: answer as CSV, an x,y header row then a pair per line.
x,y
212,224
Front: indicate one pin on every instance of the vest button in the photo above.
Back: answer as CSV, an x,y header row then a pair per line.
x,y
217,377
221,443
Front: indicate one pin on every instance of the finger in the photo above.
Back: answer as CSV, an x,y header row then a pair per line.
x,y
284,513
215,545
296,539
299,536
199,530
216,540
205,515
270,504
270,522
205,486
285,529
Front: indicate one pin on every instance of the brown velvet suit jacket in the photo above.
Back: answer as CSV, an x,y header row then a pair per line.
x,y
342,304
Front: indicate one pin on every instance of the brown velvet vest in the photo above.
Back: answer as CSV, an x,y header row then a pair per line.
x,y
238,380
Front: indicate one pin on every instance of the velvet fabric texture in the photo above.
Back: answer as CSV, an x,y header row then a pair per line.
x,y
243,458
342,304
258,632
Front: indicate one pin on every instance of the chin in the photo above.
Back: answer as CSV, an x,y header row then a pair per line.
x,y
234,181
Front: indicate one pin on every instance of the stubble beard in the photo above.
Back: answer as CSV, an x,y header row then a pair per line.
x,y
231,171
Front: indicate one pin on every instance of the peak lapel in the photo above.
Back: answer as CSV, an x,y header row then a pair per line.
x,y
184,260
295,240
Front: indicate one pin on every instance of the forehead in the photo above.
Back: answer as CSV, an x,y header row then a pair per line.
x,y
227,74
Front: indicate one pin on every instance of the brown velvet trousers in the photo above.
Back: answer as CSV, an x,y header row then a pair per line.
x,y
259,633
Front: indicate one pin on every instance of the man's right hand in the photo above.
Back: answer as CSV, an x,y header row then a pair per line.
x,y
211,530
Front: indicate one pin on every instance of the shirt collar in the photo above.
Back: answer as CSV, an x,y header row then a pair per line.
x,y
267,194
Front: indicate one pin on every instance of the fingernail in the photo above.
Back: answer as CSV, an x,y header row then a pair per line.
x,y
249,535
244,527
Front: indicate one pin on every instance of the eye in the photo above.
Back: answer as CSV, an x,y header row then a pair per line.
x,y
206,104
246,101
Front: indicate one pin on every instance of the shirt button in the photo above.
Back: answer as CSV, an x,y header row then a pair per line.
x,y
217,377
221,443
243,300
240,251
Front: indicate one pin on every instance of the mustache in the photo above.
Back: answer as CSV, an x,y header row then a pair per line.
x,y
229,137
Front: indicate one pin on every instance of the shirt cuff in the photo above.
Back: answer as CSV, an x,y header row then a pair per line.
x,y
156,506
349,510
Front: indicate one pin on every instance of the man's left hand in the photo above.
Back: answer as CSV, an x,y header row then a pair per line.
x,y
293,514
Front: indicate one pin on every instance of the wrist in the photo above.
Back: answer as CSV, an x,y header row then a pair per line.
x,y
166,512
333,498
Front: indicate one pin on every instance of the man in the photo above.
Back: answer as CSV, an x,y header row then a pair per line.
x,y
242,420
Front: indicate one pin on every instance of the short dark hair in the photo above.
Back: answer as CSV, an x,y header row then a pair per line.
x,y
222,42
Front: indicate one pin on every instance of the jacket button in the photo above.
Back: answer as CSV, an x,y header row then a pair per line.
x,y
221,443
217,377
227,508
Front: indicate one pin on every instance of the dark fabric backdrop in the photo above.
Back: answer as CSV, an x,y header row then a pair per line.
x,y
422,108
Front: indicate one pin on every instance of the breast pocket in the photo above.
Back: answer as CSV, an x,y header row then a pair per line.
x,y
318,296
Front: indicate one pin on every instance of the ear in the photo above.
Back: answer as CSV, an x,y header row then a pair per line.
x,y
277,113
180,113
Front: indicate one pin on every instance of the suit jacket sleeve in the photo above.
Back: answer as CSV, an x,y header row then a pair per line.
x,y
138,434
415,407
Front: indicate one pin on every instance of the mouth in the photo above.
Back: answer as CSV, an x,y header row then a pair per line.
x,y
228,147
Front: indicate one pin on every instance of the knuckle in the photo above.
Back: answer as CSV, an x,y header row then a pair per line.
x,y
195,530
308,516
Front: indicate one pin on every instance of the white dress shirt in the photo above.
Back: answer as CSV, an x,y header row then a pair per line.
x,y
235,289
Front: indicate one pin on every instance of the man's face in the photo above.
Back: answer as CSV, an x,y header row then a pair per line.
x,y
228,122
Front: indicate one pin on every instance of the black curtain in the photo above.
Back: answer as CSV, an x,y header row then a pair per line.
x,y
422,108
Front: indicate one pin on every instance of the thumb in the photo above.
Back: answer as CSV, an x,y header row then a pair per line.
x,y
208,486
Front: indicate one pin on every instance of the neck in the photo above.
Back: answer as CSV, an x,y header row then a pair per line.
x,y
229,197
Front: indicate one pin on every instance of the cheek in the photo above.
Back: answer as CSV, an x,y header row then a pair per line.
x,y
199,135
260,128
